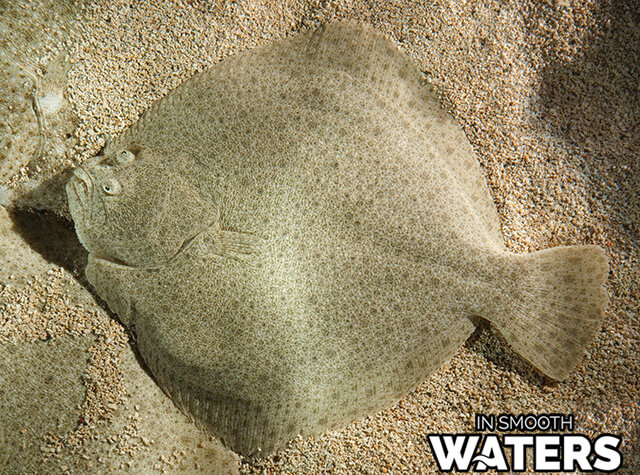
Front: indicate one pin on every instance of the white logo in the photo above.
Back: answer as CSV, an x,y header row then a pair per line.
x,y
549,452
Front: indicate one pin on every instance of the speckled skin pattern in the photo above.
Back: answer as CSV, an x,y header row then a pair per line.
x,y
300,235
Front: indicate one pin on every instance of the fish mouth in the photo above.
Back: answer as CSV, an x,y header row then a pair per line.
x,y
80,190
83,180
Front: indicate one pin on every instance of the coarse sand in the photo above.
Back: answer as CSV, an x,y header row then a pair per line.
x,y
546,91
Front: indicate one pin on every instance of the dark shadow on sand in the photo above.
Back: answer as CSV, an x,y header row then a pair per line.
x,y
592,101
55,239
487,341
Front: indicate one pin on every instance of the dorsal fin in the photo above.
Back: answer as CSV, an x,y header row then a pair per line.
x,y
369,58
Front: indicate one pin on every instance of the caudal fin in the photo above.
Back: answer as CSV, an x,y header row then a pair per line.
x,y
560,308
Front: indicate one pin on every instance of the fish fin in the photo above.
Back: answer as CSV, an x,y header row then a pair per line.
x,y
113,282
237,245
561,309
234,242
372,59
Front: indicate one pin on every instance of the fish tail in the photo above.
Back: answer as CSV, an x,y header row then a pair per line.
x,y
559,308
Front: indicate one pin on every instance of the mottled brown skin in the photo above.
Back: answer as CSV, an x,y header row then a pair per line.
x,y
300,236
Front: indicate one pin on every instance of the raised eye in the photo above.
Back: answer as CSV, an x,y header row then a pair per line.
x,y
112,187
124,156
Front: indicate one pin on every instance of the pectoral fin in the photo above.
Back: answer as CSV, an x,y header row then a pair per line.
x,y
236,245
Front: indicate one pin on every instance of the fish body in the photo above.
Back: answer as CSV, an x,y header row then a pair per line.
x,y
300,235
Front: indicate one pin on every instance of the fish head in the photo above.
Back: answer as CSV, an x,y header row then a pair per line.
x,y
136,207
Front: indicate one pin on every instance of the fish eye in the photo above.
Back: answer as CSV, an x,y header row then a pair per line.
x,y
124,156
112,187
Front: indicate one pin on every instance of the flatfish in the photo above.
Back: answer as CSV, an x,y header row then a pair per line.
x,y
300,235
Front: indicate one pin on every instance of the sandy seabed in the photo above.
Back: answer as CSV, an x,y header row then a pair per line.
x,y
548,95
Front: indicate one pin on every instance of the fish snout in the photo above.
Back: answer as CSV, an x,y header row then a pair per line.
x,y
79,195
81,183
